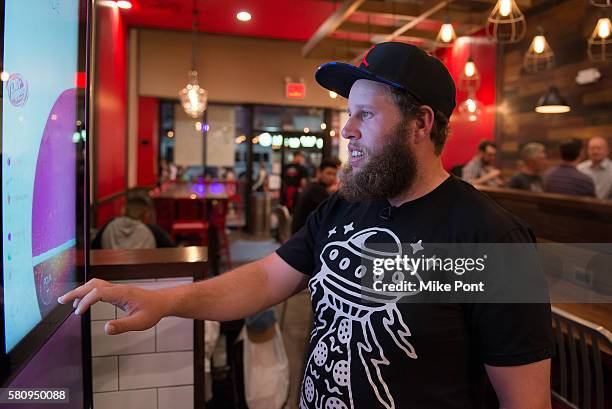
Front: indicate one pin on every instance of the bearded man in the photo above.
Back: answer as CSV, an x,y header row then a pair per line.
x,y
368,349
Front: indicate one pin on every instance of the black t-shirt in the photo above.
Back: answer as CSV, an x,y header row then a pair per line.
x,y
524,181
313,195
294,173
407,355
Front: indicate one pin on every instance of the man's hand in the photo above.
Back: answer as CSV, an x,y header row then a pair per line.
x,y
144,308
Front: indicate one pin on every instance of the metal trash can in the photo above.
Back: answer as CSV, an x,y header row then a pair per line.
x,y
260,212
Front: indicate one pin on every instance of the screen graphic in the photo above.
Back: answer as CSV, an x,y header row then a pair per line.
x,y
39,194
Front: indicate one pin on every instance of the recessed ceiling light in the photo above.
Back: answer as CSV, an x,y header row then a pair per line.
x,y
124,4
243,16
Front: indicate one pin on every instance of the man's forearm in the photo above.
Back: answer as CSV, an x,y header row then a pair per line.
x,y
235,294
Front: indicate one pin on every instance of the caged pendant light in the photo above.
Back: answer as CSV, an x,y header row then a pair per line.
x,y
469,77
600,42
194,97
539,56
506,23
446,36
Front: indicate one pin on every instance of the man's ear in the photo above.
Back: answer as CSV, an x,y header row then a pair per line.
x,y
423,123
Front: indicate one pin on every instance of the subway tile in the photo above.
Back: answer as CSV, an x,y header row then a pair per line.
x,y
155,370
140,399
103,311
174,334
173,398
128,343
105,371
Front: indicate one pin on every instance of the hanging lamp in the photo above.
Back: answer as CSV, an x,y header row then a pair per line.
x,y
539,56
506,22
471,109
552,102
469,77
600,43
194,97
446,36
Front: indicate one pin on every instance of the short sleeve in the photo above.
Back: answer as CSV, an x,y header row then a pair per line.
x,y
298,251
510,334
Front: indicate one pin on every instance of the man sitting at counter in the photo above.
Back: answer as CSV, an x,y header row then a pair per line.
x,y
598,167
529,178
565,178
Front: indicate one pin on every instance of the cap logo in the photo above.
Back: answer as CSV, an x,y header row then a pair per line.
x,y
364,61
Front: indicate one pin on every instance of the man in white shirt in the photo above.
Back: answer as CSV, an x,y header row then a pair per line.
x,y
599,167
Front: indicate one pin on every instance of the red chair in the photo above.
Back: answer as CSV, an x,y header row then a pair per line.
x,y
190,221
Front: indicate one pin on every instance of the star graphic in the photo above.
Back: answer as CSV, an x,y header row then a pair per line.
x,y
416,247
332,231
348,228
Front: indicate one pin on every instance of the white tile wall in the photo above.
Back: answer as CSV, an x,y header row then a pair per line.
x,y
174,334
175,398
141,399
150,369
105,372
128,343
103,311
154,370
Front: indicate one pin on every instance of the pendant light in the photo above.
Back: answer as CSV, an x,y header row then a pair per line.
x,y
601,3
471,109
469,78
552,102
194,97
539,56
506,23
446,36
600,41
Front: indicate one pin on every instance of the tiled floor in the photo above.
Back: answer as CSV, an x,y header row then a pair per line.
x,y
295,325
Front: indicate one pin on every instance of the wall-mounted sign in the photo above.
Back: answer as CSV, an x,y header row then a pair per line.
x,y
295,90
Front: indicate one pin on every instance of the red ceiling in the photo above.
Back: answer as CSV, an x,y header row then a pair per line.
x,y
282,19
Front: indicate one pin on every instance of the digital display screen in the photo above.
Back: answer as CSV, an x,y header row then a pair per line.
x,y
39,159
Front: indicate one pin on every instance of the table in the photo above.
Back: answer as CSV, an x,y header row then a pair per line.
x,y
159,263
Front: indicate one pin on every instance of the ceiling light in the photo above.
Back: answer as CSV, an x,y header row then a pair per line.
x,y
333,95
471,108
446,35
506,23
600,41
124,4
539,56
552,103
4,76
243,16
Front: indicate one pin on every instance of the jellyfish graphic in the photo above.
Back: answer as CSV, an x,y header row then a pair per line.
x,y
343,336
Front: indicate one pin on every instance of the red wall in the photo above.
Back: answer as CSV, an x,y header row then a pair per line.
x,y
148,125
465,135
110,109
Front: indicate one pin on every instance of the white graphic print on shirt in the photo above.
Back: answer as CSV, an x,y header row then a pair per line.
x,y
346,315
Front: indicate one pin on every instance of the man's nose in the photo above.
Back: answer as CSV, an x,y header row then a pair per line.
x,y
350,131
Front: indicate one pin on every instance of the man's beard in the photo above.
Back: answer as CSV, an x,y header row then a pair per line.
x,y
387,173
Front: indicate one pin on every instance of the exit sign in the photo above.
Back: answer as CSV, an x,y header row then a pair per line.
x,y
295,90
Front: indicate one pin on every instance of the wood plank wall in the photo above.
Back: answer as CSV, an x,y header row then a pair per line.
x,y
567,25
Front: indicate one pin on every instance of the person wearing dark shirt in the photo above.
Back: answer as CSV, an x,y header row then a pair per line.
x,y
316,192
534,162
565,178
131,231
369,349
295,178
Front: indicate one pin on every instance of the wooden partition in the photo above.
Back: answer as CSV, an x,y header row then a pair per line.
x,y
558,218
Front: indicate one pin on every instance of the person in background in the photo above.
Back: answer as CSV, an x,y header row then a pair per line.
x,y
261,181
296,177
130,231
565,178
534,162
480,170
598,167
316,192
